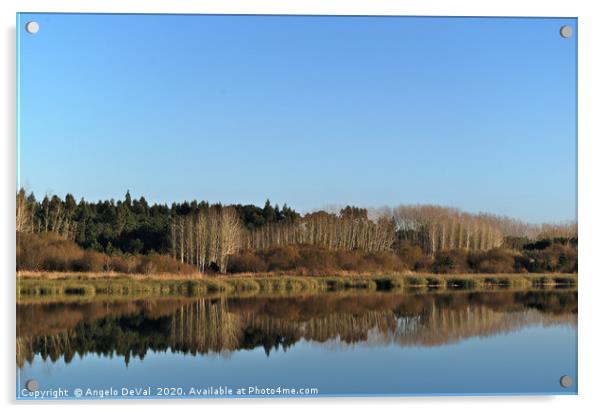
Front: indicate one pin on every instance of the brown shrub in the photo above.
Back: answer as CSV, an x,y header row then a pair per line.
x,y
411,255
424,264
349,260
495,261
383,261
247,261
91,261
126,263
316,259
49,252
451,262
562,258
281,258
146,266
311,259
156,263
553,258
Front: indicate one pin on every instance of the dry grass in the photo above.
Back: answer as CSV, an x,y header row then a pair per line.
x,y
200,276
58,275
44,285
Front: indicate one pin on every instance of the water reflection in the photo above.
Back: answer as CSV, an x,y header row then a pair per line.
x,y
222,325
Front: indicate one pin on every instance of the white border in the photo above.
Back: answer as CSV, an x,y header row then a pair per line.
x,y
590,159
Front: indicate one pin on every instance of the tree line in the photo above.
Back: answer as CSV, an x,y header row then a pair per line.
x,y
206,237
351,229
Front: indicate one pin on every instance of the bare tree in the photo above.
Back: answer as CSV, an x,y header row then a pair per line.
x,y
207,236
230,231
24,219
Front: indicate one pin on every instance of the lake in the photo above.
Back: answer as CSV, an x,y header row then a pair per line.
x,y
344,343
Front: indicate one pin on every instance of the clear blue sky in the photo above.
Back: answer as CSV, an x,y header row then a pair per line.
x,y
312,111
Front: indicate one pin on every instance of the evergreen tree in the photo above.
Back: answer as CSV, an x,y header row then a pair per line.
x,y
268,212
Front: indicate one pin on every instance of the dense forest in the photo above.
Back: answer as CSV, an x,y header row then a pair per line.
x,y
132,236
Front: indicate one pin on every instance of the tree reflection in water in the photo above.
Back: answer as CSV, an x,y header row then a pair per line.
x,y
222,325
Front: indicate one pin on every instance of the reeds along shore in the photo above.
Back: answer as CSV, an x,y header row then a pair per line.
x,y
73,284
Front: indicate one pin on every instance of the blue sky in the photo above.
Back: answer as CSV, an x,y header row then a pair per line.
x,y
312,111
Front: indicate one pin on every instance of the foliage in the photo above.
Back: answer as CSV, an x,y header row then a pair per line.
x,y
451,261
49,252
132,236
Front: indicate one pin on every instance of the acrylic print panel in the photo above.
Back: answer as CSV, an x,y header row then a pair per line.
x,y
295,206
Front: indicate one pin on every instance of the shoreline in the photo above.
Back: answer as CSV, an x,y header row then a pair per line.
x,y
25,274
45,284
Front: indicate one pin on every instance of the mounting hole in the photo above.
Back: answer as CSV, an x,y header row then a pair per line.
x,y
31,385
566,381
32,27
566,31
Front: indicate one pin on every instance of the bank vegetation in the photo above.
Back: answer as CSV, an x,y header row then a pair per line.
x,y
133,237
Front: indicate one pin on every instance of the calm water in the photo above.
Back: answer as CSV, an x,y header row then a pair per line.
x,y
339,344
